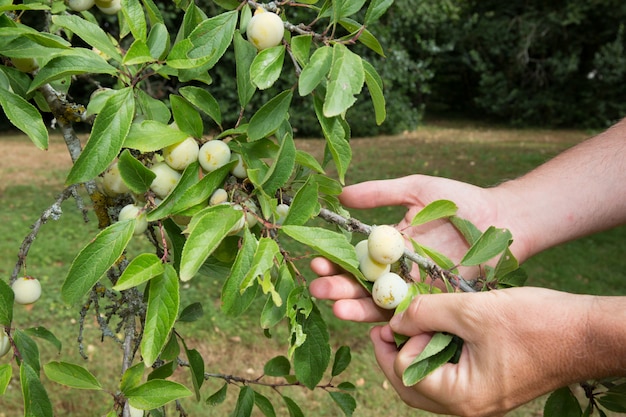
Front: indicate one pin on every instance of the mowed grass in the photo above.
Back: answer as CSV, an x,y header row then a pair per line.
x,y
482,155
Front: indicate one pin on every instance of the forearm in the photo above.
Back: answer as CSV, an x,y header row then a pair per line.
x,y
579,192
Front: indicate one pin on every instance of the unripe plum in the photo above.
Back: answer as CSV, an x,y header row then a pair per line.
x,y
219,196
132,211
180,155
112,8
135,412
265,29
371,269
27,290
112,182
213,155
389,290
385,244
282,210
80,5
165,180
239,170
5,343
238,227
25,64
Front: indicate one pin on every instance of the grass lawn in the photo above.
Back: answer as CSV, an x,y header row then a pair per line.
x,y
483,155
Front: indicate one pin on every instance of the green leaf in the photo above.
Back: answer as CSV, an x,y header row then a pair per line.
x,y
375,86
346,80
151,136
6,372
7,296
245,402
71,375
150,108
266,250
25,117
264,405
132,377
135,174
161,314
196,367
234,302
436,210
135,18
44,334
72,62
332,245
188,179
272,314
137,54
304,204
300,48
201,191
211,226
109,131
143,268
467,229
270,116
158,40
315,70
336,137
375,10
493,242
613,401
191,313
186,117
36,400
345,401
90,33
218,396
293,407
29,351
204,101
281,170
343,358
365,36
562,402
437,352
312,357
156,393
267,66
277,366
94,260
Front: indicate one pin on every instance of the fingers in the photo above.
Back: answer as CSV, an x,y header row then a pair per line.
x,y
322,267
378,193
337,287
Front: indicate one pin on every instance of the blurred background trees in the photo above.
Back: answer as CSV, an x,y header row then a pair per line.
x,y
520,62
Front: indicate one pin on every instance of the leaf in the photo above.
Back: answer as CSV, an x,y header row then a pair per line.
x,y
267,66
44,334
345,401
201,191
137,54
560,403
336,139
375,10
211,226
204,101
272,314
342,360
191,313
264,405
143,268
613,401
234,302
188,179
109,131
375,86
277,366
135,18
281,170
88,32
186,117
36,400
300,48
151,136
364,35
436,353
346,80
6,372
25,117
315,70
71,375
158,40
132,377
245,402
196,367
218,397
436,210
266,250
134,174
312,357
332,245
149,107
304,205
156,393
270,116
7,296
161,314
74,61
29,351
95,259
490,244
292,406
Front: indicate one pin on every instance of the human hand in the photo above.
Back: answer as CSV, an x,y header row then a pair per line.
x,y
519,343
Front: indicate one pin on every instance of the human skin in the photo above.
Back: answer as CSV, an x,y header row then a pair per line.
x,y
519,343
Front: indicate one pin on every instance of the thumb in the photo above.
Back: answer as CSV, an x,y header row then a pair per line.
x,y
447,312
379,193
